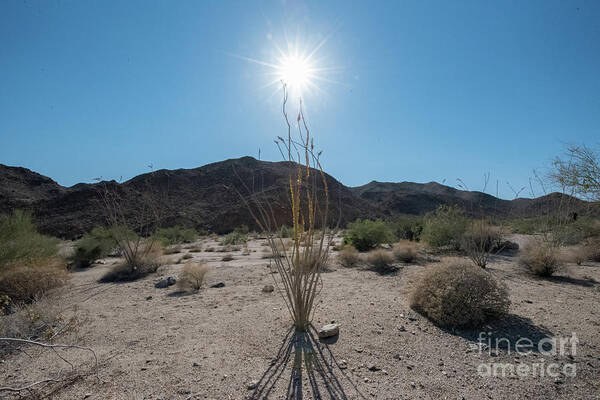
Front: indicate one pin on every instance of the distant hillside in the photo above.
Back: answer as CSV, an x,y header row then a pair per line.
x,y
420,198
208,197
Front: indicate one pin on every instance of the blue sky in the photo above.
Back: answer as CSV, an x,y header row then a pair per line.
x,y
420,90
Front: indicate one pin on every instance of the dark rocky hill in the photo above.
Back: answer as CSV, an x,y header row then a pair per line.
x,y
213,197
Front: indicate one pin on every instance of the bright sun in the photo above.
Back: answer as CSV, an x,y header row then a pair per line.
x,y
295,72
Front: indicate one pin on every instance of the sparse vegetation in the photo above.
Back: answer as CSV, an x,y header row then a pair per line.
x,y
29,261
192,277
444,227
175,235
237,237
196,249
143,260
176,249
381,261
366,235
408,227
540,258
36,320
459,295
93,245
479,241
405,251
349,257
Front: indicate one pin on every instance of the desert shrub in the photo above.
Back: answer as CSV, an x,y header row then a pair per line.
x,y
93,245
187,256
381,261
459,295
36,320
349,256
285,231
142,261
26,281
540,258
405,251
209,249
192,277
479,240
175,235
591,249
576,255
577,231
235,238
29,264
196,249
172,250
365,235
20,241
409,227
444,227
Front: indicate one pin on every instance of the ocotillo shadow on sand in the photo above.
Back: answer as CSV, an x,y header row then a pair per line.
x,y
304,358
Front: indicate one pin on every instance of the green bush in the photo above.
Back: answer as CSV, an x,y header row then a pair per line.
x,y
236,237
577,231
409,227
444,227
176,235
20,241
365,235
29,262
459,295
285,231
96,244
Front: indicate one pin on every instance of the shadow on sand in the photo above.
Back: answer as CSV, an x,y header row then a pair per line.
x,y
506,332
305,359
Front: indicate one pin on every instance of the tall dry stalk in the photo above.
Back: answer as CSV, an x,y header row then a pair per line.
x,y
133,216
299,261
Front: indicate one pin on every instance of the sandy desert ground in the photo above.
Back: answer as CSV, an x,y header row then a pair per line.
x,y
158,344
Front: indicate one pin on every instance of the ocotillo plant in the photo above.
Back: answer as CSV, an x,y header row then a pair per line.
x,y
299,262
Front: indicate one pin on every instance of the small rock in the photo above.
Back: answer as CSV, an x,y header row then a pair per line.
x,y
218,285
252,385
373,368
195,365
164,283
397,357
401,328
149,298
328,330
87,395
268,289
343,364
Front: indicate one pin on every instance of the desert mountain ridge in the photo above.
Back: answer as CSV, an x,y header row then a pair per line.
x,y
211,197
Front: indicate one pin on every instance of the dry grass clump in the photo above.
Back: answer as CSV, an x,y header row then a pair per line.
x,y
196,249
540,258
29,261
458,294
209,249
591,250
192,277
349,257
31,321
405,251
381,261
172,250
140,263
479,240
25,281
